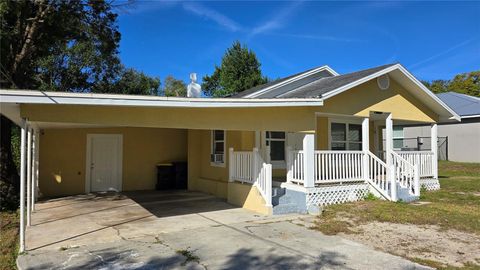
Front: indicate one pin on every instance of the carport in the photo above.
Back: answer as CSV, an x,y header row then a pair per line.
x,y
35,111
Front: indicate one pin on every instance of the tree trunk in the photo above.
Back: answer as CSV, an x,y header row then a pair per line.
x,y
30,32
9,178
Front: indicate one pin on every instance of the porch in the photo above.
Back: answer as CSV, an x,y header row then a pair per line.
x,y
316,177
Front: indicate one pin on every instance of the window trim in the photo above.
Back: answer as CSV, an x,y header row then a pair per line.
x,y
347,122
276,164
212,145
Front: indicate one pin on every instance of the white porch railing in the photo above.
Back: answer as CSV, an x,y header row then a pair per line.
x,y
295,165
329,166
250,167
338,166
424,159
354,166
241,166
406,174
262,176
377,175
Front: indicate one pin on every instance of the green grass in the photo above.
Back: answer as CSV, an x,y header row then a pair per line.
x,y
189,256
9,224
455,206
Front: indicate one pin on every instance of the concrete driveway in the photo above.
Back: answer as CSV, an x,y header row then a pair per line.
x,y
165,230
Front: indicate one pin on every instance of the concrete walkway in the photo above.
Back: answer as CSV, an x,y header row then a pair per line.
x,y
183,230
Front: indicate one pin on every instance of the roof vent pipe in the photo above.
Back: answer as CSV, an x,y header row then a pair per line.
x,y
194,90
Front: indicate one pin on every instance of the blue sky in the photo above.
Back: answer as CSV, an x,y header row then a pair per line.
x,y
434,40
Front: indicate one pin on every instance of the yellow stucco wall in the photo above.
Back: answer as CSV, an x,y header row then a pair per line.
x,y
248,197
322,133
205,177
367,97
250,119
63,157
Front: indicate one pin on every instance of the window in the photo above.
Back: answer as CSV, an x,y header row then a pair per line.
x,y
218,147
398,137
276,141
346,136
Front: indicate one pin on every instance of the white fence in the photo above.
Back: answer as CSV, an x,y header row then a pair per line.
x,y
424,159
250,167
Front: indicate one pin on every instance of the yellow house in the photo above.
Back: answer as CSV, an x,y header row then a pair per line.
x,y
292,145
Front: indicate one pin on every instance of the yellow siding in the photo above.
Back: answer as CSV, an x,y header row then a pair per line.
x,y
63,157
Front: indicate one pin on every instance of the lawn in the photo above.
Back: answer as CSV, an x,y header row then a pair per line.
x,y
455,206
9,224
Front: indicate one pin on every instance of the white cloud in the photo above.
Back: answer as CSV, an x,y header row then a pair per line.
x,y
321,37
203,11
435,56
276,21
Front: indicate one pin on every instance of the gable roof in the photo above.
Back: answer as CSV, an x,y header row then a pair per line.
x,y
324,87
464,105
289,83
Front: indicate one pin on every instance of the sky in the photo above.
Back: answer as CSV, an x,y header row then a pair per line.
x,y
433,40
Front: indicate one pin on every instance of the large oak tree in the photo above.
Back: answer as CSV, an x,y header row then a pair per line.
x,y
68,45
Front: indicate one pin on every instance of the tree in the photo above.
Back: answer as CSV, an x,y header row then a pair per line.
x,y
59,46
133,82
239,70
465,83
174,88
437,86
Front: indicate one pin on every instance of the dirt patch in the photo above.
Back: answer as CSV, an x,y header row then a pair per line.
x,y
424,242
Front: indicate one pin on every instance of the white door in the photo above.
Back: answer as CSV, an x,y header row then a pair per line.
x,y
104,162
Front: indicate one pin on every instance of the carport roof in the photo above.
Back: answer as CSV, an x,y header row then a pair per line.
x,y
68,98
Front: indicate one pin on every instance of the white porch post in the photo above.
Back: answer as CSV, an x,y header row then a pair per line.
x,y
365,147
308,160
35,170
434,146
257,140
255,168
288,160
388,156
29,174
23,140
230,164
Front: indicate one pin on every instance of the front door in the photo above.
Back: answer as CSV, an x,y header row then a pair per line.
x,y
105,162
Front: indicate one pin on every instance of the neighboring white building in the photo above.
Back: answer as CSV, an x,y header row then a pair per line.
x,y
462,141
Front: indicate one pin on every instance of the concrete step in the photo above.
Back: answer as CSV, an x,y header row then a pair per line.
x,y
283,199
287,209
278,191
404,194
